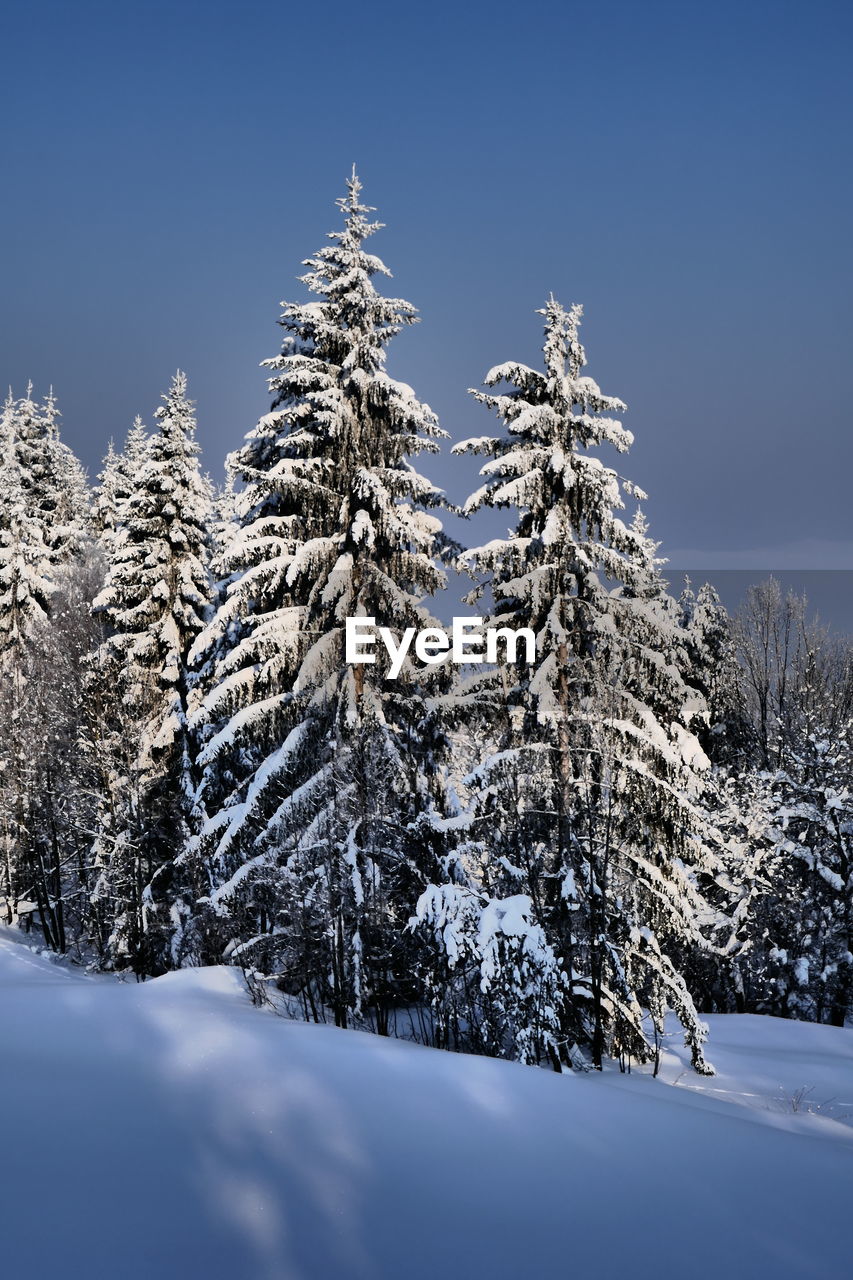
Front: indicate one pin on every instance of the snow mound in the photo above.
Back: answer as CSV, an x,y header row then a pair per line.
x,y
170,1129
221,980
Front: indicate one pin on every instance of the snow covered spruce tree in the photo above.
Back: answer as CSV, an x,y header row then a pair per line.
x,y
26,588
728,735
58,481
43,515
26,583
43,512
116,480
153,603
321,778
584,823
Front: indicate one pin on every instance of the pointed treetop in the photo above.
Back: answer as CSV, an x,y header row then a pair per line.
x,y
350,203
562,341
358,226
51,414
177,392
176,416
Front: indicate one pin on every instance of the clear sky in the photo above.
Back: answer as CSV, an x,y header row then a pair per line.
x,y
682,169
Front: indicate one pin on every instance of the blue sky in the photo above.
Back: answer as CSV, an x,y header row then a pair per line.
x,y
681,169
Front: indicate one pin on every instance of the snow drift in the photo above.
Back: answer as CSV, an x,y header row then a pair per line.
x,y
169,1130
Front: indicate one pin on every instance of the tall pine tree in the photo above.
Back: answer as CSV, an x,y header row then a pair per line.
x,y
154,602
322,778
585,818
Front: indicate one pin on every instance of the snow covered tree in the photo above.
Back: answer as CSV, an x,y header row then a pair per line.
x,y
494,982
59,483
54,481
106,492
321,777
728,735
154,602
588,809
116,480
45,791
43,513
26,583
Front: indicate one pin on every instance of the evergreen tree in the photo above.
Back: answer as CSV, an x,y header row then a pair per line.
x,y
54,482
60,486
589,808
154,602
43,513
26,588
116,480
106,492
25,570
321,777
727,736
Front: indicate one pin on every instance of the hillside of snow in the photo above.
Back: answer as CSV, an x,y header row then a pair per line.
x,y
170,1130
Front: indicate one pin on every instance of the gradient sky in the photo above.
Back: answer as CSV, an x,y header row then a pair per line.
x,y
681,169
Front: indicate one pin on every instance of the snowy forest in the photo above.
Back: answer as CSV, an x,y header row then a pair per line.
x,y
535,862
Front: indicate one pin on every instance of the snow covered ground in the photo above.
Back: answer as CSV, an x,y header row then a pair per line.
x,y
171,1130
